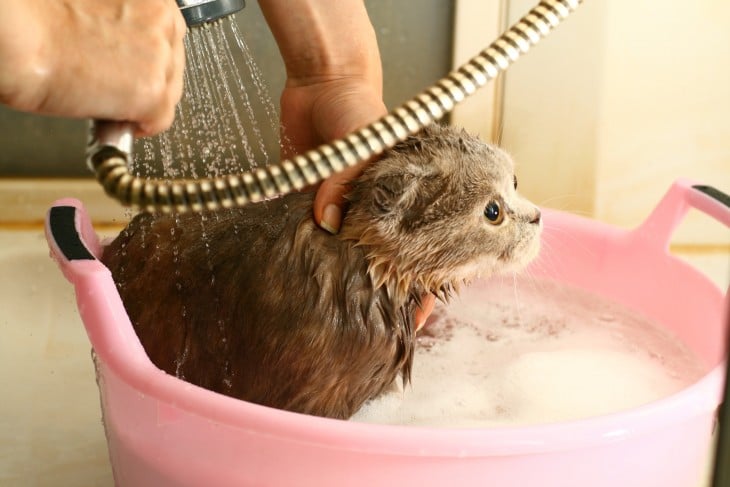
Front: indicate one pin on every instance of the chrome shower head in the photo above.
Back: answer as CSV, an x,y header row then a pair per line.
x,y
198,12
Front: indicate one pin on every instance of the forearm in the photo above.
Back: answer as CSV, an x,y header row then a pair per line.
x,y
324,40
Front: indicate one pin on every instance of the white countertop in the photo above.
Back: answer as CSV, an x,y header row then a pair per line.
x,y
50,421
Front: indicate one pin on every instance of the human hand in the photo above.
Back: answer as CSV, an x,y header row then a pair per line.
x,y
321,112
112,59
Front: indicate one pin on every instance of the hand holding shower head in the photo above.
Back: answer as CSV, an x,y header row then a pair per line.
x,y
119,135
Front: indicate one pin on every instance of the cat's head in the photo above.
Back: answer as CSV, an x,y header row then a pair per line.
x,y
439,209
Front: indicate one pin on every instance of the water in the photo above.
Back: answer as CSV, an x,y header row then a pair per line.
x,y
215,131
543,354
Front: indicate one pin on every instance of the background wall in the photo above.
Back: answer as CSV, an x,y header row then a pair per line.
x,y
620,101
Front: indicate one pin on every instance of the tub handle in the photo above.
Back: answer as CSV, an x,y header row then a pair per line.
x,y
684,194
76,248
69,233
657,229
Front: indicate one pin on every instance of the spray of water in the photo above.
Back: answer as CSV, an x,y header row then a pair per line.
x,y
216,130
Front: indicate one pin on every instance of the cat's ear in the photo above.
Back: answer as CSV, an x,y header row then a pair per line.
x,y
395,192
392,192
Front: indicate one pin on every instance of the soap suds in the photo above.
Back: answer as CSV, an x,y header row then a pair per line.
x,y
547,353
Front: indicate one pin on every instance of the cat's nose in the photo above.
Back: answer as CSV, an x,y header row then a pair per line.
x,y
536,217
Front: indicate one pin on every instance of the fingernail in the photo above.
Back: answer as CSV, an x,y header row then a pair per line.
x,y
331,219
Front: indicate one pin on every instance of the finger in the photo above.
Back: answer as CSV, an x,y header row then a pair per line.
x,y
165,83
177,64
329,201
428,302
161,112
176,69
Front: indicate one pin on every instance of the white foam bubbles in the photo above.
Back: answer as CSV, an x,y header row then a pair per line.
x,y
533,352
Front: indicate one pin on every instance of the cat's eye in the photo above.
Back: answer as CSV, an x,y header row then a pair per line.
x,y
493,213
515,178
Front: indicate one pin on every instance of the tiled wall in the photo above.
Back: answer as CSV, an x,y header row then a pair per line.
x,y
620,101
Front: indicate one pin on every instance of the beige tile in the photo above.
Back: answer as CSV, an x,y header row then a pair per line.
x,y
476,24
619,102
664,108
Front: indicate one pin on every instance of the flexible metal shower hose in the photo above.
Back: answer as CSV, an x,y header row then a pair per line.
x,y
110,146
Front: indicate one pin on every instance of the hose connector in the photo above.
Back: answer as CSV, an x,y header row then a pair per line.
x,y
198,12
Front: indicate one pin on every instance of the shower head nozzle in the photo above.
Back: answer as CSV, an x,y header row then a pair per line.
x,y
198,12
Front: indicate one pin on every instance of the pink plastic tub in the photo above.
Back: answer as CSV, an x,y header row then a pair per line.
x,y
163,431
